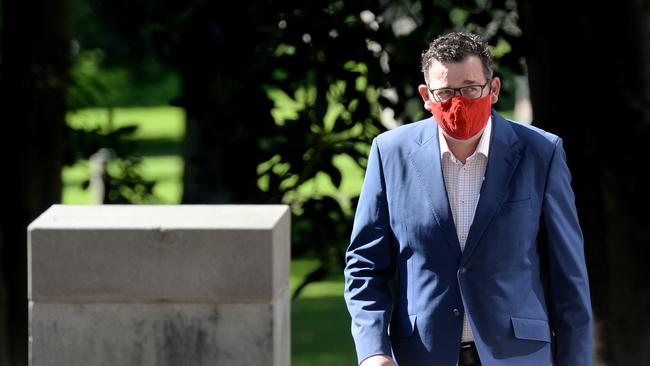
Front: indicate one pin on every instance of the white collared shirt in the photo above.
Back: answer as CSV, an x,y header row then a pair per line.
x,y
463,184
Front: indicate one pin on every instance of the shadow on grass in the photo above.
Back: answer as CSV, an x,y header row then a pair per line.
x,y
156,146
320,332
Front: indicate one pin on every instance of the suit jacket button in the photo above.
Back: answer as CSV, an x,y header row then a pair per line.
x,y
463,269
456,312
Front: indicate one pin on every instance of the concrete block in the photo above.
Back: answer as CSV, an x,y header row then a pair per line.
x,y
184,253
160,334
160,285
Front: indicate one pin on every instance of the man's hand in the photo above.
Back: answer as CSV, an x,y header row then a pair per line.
x,y
379,360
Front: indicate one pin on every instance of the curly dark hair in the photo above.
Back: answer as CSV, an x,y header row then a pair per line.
x,y
455,47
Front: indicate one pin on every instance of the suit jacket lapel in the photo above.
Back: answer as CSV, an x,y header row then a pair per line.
x,y
426,161
504,155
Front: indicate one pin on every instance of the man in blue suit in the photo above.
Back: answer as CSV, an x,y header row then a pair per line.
x,y
466,247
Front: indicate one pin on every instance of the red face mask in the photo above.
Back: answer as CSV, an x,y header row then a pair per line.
x,y
461,118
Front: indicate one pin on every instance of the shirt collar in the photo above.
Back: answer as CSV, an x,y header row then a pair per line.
x,y
483,146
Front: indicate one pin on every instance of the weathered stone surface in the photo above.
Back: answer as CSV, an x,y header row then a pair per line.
x,y
198,253
160,334
160,285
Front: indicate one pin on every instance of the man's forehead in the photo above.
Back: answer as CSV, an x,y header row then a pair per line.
x,y
469,69
438,69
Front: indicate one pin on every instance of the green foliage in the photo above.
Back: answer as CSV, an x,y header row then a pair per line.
x,y
154,145
341,69
122,178
337,74
94,84
324,109
107,72
87,88
116,47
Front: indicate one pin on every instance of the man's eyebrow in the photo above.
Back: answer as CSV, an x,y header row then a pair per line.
x,y
471,82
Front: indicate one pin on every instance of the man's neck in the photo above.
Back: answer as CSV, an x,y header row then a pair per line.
x,y
463,149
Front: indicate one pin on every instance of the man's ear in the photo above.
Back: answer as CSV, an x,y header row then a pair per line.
x,y
496,88
424,93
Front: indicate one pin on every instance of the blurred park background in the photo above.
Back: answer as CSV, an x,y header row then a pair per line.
x,y
253,101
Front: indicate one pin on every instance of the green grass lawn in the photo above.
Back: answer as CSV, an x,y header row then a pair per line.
x,y
320,324
158,137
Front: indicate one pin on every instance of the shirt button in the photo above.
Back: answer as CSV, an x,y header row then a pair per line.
x,y
456,312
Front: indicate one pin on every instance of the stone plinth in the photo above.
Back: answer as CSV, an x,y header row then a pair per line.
x,y
160,285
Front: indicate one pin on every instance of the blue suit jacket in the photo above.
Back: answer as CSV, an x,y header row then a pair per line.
x,y
407,283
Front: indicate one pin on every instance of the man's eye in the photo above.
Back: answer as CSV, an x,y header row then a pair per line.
x,y
470,90
445,93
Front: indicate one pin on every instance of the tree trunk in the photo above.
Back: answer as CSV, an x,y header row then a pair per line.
x,y
589,71
33,81
222,66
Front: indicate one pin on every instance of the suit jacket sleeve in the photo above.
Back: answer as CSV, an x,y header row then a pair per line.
x,y
568,285
370,264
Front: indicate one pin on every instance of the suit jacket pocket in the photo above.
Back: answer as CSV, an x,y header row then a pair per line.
x,y
531,329
402,326
515,207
